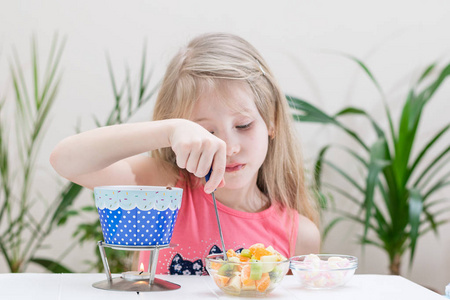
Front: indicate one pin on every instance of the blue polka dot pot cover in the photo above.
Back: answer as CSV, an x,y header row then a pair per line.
x,y
137,215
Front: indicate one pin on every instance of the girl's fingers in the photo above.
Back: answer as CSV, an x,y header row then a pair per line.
x,y
204,164
222,183
187,153
197,150
182,158
193,161
218,171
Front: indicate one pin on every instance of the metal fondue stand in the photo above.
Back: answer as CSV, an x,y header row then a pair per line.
x,y
146,285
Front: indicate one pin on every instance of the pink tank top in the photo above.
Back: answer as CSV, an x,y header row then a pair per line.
x,y
197,234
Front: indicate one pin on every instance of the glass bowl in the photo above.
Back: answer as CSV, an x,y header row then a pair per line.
x,y
245,278
323,271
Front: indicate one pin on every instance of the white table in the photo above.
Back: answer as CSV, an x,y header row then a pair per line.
x,y
79,286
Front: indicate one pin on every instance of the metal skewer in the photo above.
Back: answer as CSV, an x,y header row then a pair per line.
x,y
218,220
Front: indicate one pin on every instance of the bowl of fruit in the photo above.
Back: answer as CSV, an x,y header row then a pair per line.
x,y
255,271
323,271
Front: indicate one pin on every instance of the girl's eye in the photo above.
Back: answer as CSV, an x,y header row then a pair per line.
x,y
245,126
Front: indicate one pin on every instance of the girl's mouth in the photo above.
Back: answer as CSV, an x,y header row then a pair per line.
x,y
233,167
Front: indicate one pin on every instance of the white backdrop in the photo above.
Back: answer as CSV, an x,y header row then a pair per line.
x,y
396,39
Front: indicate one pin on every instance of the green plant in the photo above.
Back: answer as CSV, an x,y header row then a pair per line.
x,y
127,103
407,184
22,231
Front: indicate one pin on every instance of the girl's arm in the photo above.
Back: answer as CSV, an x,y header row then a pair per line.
x,y
308,237
110,155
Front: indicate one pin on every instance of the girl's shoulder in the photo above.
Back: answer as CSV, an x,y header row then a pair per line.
x,y
308,236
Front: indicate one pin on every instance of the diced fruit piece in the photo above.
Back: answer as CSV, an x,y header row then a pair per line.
x,y
234,285
226,270
253,248
245,276
267,265
246,253
263,283
250,287
270,249
231,253
220,280
260,252
280,257
255,271
243,258
234,259
276,274
215,265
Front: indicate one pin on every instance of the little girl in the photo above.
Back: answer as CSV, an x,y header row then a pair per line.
x,y
219,107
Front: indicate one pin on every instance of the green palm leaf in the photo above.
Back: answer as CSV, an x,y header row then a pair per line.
x,y
331,224
434,165
415,211
424,151
376,164
380,90
409,122
313,114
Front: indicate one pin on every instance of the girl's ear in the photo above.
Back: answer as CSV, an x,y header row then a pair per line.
x,y
271,131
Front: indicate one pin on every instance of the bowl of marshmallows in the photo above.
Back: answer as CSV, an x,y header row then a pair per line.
x,y
323,271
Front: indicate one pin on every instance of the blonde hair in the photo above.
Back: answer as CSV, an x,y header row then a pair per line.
x,y
212,58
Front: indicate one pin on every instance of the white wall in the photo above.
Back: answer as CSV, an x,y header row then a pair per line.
x,y
396,39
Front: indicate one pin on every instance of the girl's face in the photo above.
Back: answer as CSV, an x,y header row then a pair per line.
x,y
230,113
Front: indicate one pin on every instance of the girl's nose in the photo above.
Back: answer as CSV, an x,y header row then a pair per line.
x,y
233,145
232,148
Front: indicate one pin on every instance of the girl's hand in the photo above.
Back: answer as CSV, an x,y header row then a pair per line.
x,y
197,151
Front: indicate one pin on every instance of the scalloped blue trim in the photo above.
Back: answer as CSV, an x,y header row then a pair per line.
x,y
141,199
